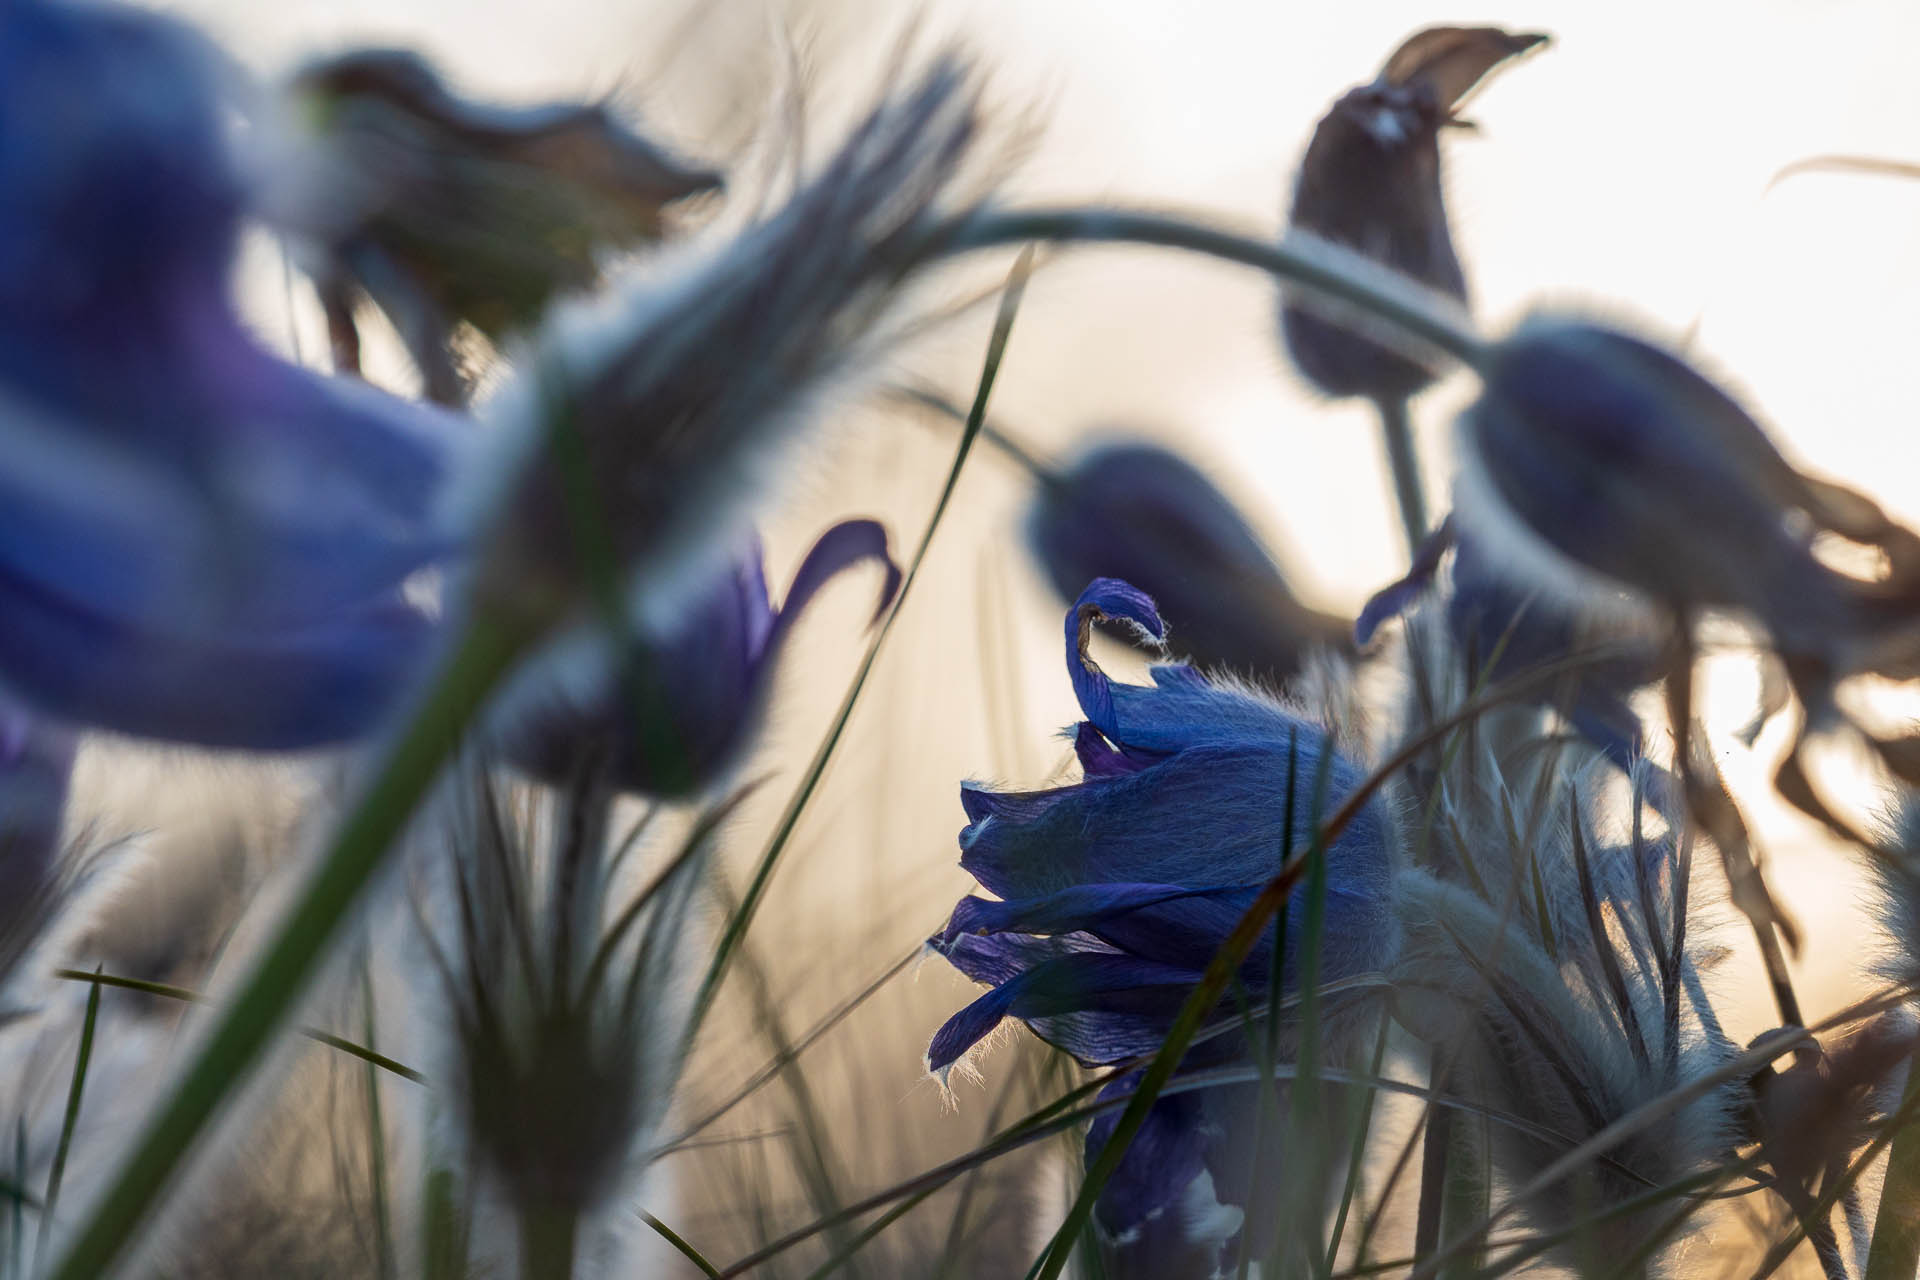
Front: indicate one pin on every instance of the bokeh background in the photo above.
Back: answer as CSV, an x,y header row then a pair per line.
x,y
1624,170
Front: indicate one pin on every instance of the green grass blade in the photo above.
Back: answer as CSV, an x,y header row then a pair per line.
x,y
376,1136
483,657
443,1228
69,1122
188,996
687,1251
1356,1154
790,818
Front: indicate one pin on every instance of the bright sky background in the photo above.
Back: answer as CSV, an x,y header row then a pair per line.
x,y
1621,171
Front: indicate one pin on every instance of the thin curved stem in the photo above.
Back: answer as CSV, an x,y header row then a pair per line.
x,y
1300,257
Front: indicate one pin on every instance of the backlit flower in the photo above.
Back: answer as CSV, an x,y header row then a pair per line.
x,y
684,704
1148,517
1371,180
1113,893
445,210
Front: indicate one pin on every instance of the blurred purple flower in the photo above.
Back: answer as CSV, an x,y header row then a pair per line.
x,y
444,210
1115,892
1148,517
1614,456
1371,180
683,705
657,410
36,761
200,541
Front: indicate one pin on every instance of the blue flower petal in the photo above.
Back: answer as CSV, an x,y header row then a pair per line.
x,y
1099,1006
180,505
1171,1211
282,690
842,547
1100,758
1071,910
1624,459
690,699
1207,816
1104,600
1175,926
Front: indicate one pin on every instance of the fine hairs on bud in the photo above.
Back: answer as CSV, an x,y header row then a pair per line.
x,y
1556,971
1895,877
659,405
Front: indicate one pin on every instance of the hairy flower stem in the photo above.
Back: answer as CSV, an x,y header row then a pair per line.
x,y
484,655
1895,1253
1396,428
548,1235
1301,257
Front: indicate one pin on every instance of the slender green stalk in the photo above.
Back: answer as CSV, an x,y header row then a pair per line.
x,y
1435,1156
443,1227
1895,1254
1276,988
549,1235
1396,429
1465,1192
69,1122
188,996
376,1138
686,1250
1356,1155
485,654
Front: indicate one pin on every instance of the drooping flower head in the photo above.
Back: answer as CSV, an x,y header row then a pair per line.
x,y
200,541
1606,454
445,210
679,710
1148,517
1113,893
1371,180
642,416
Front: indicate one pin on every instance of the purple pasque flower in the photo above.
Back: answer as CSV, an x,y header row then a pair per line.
x,y
1593,450
36,763
1146,516
683,704
1113,893
1371,180
198,540
1503,628
660,408
445,210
